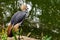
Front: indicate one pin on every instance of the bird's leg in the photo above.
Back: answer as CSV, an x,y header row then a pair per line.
x,y
19,33
15,28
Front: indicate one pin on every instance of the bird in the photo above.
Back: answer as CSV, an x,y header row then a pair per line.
x,y
16,20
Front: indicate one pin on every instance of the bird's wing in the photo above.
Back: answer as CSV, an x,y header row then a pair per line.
x,y
18,17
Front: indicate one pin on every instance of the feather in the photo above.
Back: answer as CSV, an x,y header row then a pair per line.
x,y
9,30
15,28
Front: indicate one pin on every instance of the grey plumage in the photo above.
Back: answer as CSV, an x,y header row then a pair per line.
x,y
18,17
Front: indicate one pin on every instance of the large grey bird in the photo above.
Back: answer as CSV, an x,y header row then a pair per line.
x,y
16,20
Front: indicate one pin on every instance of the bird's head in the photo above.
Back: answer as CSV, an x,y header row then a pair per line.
x,y
23,7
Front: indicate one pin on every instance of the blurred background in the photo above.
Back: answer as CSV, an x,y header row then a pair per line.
x,y
43,21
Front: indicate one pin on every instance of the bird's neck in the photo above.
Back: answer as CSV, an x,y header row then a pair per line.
x,y
25,11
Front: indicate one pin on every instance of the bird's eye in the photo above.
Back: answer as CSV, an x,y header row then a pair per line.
x,y
27,8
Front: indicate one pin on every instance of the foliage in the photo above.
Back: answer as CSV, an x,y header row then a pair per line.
x,y
4,35
46,38
46,21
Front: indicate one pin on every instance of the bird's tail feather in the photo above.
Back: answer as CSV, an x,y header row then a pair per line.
x,y
10,27
9,30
